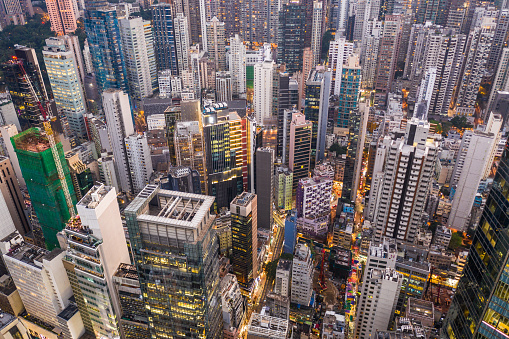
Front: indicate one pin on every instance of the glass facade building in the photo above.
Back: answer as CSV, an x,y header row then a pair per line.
x,y
176,255
164,37
480,307
291,34
349,94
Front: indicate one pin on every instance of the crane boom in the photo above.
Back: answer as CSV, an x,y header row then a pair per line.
x,y
51,138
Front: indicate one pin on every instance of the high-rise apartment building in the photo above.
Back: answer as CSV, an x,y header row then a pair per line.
x,y
182,41
140,162
300,147
369,52
62,16
313,197
223,86
244,226
40,278
478,305
140,62
283,188
316,33
45,189
237,65
286,96
96,246
265,157
164,36
105,43
14,205
65,79
263,91
350,83
253,20
291,35
501,79
499,39
407,173
8,131
302,275
188,224
120,125
8,113
339,51
215,43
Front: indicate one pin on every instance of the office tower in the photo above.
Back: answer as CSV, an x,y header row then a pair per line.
x,y
287,98
253,21
164,39
189,149
133,318
318,89
316,33
25,104
188,225
300,147
97,233
215,43
415,281
120,125
339,51
291,34
407,173
244,226
232,302
369,52
7,132
223,86
140,62
477,305
65,80
105,43
224,168
40,172
475,159
43,286
81,175
7,111
499,40
262,96
107,172
283,188
183,179
62,16
350,83
139,160
479,42
237,65
501,80
302,275
357,127
182,41
12,197
387,58
265,185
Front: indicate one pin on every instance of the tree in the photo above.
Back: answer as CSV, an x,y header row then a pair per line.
x,y
456,240
270,270
145,15
460,122
338,149
327,37
286,256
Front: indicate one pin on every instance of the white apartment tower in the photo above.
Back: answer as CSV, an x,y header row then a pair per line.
x,y
501,80
316,31
262,96
65,80
164,81
369,52
407,173
8,113
238,65
96,246
339,52
120,125
107,171
138,49
313,197
283,278
182,41
140,162
302,275
215,42
223,86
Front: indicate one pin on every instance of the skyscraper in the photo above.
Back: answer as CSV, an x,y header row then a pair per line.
x,y
140,162
339,51
120,125
265,185
350,83
262,96
97,233
45,189
501,79
182,42
244,259
188,225
105,42
238,65
8,131
190,150
287,97
291,36
164,38
499,39
65,80
215,43
140,62
316,34
62,16
478,305
300,147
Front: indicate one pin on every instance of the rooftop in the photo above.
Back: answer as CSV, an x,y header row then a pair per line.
x,y
31,140
267,326
30,254
126,271
6,319
94,196
420,308
284,265
68,312
244,199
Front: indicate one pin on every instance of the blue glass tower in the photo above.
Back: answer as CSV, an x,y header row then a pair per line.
x,y
103,33
348,94
164,37
290,232
480,307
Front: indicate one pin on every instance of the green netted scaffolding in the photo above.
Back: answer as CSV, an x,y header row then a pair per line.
x,y
41,177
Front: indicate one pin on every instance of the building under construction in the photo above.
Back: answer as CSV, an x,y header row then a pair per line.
x,y
41,177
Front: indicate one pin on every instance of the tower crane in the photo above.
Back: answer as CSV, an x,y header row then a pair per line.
x,y
46,122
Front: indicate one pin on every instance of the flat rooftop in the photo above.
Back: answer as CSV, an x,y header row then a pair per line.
x,y
31,140
284,265
94,196
68,312
126,271
243,199
267,326
421,308
32,255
